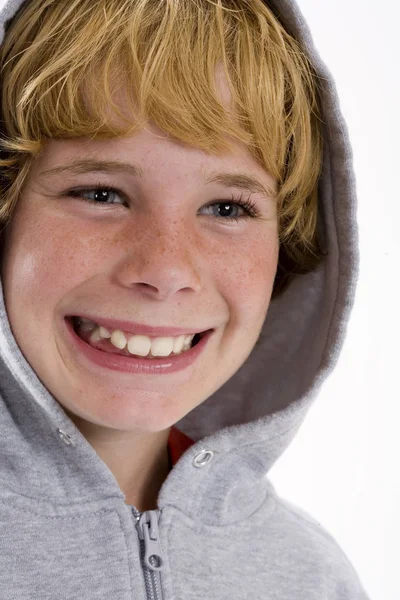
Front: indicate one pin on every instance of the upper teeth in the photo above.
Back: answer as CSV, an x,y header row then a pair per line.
x,y
141,345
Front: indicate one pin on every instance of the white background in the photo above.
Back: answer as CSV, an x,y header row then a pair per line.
x,y
343,466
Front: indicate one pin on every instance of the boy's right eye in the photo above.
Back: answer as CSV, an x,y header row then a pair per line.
x,y
100,195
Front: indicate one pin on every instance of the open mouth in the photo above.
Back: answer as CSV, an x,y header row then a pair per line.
x,y
90,335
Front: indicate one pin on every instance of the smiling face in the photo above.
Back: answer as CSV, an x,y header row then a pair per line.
x,y
162,252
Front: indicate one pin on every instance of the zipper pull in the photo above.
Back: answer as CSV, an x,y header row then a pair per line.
x,y
148,531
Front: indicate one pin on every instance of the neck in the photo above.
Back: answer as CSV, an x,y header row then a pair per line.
x,y
139,461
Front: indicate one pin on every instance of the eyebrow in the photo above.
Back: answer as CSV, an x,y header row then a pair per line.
x,y
87,165
238,180
242,181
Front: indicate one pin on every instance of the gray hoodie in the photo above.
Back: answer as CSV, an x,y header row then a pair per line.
x,y
222,531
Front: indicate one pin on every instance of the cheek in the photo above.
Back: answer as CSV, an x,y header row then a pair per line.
x,y
249,274
262,258
44,257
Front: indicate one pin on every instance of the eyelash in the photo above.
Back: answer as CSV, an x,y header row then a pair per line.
x,y
248,205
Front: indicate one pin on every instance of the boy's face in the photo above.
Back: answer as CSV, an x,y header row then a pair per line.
x,y
158,254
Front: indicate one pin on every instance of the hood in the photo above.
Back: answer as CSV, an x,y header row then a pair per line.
x,y
252,418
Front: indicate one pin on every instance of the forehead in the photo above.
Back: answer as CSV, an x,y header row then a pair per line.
x,y
154,159
153,146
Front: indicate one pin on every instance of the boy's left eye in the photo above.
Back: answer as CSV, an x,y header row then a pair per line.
x,y
101,195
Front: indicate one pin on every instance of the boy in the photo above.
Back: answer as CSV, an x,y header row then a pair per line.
x,y
158,353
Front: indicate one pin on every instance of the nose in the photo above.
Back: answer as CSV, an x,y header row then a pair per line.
x,y
160,260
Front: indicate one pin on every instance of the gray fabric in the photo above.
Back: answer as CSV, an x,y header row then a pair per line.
x,y
65,530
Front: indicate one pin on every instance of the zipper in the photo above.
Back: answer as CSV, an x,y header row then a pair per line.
x,y
151,552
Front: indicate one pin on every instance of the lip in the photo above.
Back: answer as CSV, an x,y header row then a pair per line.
x,y
127,364
139,329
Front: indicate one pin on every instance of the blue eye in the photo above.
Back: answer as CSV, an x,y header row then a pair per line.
x,y
250,208
101,195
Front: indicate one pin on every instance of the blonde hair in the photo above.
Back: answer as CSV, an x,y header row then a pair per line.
x,y
60,61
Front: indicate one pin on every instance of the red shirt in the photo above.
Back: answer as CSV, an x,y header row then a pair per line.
x,y
178,443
